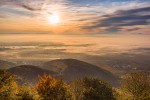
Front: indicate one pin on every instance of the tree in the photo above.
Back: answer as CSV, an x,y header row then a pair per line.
x,y
52,89
92,89
24,93
137,84
8,86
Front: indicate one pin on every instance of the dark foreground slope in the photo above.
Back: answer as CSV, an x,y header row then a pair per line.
x,y
72,69
28,74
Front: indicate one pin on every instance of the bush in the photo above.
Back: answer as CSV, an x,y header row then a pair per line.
x,y
52,89
92,89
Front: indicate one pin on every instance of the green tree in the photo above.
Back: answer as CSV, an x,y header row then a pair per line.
x,y
8,86
137,85
52,89
92,89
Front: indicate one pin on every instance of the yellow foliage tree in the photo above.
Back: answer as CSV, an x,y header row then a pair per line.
x,y
137,84
8,86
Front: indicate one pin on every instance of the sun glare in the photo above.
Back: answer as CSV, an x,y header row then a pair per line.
x,y
54,19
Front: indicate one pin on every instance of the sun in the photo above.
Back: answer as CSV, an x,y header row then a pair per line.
x,y
54,19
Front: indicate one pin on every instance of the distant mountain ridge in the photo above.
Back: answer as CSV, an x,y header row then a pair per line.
x,y
67,69
72,69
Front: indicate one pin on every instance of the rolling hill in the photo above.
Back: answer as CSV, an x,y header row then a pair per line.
x,y
72,69
28,74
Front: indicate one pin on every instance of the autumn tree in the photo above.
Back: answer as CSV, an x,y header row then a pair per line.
x,y
25,93
92,89
8,86
51,89
137,84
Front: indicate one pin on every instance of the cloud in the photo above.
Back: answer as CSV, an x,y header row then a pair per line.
x,y
133,29
38,50
3,16
122,18
5,11
4,49
34,5
30,8
142,50
134,11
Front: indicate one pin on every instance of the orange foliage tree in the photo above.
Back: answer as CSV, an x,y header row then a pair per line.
x,y
51,89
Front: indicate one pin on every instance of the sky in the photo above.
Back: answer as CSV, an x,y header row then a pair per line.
x,y
43,30
75,16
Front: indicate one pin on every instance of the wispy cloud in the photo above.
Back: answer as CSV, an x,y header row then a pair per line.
x,y
30,8
122,18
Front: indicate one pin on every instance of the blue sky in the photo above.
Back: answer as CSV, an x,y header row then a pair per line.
x,y
103,1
